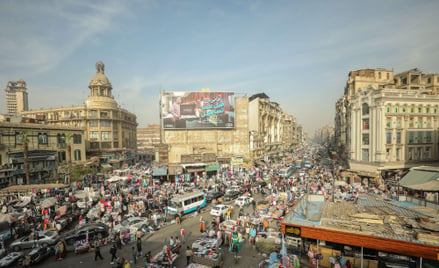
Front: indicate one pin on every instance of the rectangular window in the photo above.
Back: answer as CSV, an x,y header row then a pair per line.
x,y
388,122
77,138
399,122
365,124
389,138
388,154
428,122
403,109
105,114
411,137
93,113
106,135
105,123
419,110
420,137
365,155
428,136
93,123
398,137
411,122
410,154
18,138
365,139
42,138
420,122
427,153
94,135
398,154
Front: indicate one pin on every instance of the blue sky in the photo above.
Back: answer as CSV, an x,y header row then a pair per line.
x,y
297,52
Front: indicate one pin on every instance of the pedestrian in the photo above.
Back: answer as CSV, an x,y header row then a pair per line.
x,y
178,220
113,251
182,233
134,252
202,227
189,254
139,247
98,250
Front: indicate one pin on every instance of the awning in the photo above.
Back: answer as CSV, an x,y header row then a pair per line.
x,y
213,167
104,165
194,169
421,179
193,165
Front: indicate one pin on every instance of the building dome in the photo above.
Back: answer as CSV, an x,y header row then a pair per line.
x,y
100,79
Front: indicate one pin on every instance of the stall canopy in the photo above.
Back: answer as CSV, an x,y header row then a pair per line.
x,y
422,179
213,167
159,171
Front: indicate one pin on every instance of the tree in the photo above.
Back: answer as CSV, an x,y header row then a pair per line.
x,y
68,139
25,141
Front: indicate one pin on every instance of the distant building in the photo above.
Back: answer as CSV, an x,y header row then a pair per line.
x,y
110,131
16,97
47,147
148,137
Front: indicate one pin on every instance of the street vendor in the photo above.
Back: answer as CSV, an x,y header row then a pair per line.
x,y
234,242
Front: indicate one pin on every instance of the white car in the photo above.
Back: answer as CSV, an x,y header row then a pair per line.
x,y
131,224
219,210
243,201
11,258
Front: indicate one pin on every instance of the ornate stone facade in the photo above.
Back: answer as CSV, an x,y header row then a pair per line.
x,y
110,131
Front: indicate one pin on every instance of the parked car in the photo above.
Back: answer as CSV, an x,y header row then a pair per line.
x,y
90,230
131,224
39,254
213,195
243,201
43,239
231,195
219,210
11,258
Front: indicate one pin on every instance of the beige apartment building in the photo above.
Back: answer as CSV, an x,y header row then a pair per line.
x,y
47,147
272,132
388,125
16,97
110,131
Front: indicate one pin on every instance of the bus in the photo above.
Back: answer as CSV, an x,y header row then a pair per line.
x,y
186,203
286,172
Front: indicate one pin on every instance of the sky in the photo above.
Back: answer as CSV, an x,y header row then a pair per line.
x,y
299,53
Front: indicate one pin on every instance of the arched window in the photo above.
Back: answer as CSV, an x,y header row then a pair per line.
x,y
396,109
388,109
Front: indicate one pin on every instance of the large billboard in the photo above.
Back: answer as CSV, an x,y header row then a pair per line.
x,y
197,110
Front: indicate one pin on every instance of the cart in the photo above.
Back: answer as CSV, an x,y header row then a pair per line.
x,y
209,260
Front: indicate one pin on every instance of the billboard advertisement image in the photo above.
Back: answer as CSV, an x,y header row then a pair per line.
x,y
197,110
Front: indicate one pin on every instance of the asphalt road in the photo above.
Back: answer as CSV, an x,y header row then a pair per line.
x,y
154,243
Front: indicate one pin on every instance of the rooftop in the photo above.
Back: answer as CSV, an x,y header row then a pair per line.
x,y
369,215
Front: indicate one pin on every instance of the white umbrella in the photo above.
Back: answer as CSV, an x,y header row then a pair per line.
x,y
49,202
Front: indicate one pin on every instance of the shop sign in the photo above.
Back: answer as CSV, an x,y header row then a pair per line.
x,y
293,231
237,161
159,171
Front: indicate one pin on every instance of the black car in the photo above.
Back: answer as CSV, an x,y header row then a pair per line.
x,y
213,195
90,230
232,195
39,254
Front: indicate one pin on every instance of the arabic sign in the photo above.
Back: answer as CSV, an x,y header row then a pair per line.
x,y
293,231
197,110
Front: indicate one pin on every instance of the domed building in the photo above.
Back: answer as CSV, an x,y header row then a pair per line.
x,y
110,131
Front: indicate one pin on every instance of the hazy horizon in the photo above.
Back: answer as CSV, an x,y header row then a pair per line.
x,y
298,53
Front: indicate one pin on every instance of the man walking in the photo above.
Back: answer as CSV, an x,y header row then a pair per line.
x,y
113,251
98,250
189,254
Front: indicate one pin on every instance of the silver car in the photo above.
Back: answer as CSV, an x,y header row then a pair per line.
x,y
43,239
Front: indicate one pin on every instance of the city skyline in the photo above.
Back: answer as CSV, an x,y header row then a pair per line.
x,y
299,54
